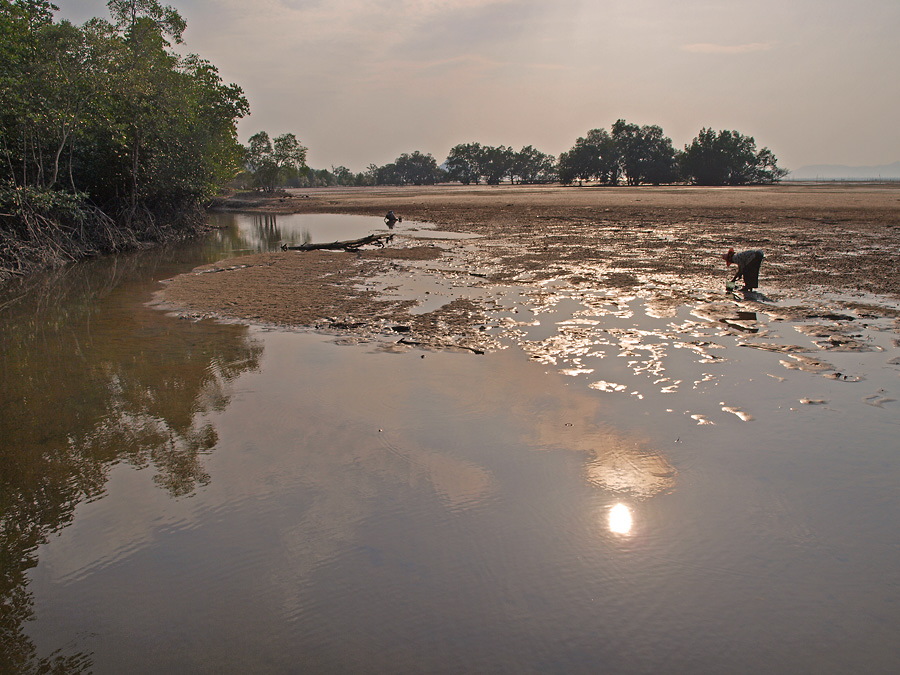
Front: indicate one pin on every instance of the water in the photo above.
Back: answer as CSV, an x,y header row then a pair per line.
x,y
618,489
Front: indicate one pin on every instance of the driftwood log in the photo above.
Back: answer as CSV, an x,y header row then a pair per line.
x,y
351,245
438,345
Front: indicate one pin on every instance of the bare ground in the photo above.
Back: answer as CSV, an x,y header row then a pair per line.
x,y
840,237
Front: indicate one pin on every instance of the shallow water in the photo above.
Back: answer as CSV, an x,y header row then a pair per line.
x,y
267,232
622,487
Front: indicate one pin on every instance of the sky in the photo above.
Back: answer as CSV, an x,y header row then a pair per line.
x,y
360,82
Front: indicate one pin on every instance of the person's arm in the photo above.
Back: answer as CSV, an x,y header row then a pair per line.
x,y
739,260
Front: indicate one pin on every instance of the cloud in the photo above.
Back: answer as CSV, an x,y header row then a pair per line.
x,y
397,11
711,48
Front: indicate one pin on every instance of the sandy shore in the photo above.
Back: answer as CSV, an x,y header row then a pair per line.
x,y
840,238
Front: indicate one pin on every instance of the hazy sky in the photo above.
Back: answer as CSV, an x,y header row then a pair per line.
x,y
362,81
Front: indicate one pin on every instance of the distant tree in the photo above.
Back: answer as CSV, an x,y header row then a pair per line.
x,y
594,157
728,158
417,169
496,163
577,164
472,163
318,178
388,175
639,154
645,154
533,166
369,176
629,142
260,162
660,164
767,170
464,163
408,169
343,175
609,156
275,163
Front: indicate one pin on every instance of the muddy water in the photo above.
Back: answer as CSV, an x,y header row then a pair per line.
x,y
622,486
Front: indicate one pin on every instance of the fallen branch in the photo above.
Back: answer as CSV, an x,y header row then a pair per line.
x,y
350,246
438,345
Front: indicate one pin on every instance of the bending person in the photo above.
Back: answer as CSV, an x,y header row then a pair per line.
x,y
748,263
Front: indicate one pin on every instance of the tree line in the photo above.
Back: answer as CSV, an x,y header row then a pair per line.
x,y
626,154
637,155
108,137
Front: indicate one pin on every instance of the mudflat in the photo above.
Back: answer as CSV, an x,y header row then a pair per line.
x,y
663,242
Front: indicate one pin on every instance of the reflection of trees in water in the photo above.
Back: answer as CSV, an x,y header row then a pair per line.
x,y
90,377
242,233
263,233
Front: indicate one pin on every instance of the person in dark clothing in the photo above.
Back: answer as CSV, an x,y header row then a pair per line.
x,y
390,219
748,263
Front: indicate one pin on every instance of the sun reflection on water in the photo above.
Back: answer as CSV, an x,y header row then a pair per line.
x,y
621,520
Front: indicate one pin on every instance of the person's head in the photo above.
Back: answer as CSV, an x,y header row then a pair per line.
x,y
728,257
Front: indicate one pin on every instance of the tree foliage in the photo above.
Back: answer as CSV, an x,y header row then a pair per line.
x,y
417,169
472,163
464,163
496,163
128,14
644,155
637,154
274,163
728,158
594,157
413,168
109,115
533,166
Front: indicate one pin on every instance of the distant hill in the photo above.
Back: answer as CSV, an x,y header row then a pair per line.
x,y
837,171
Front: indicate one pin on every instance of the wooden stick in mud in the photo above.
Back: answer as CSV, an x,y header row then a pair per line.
x,y
352,245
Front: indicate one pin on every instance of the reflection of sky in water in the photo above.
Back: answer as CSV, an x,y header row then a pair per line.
x,y
458,490
317,471
624,345
370,509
